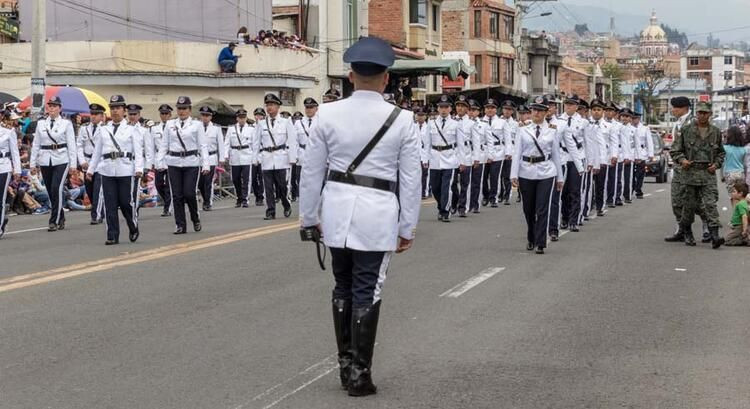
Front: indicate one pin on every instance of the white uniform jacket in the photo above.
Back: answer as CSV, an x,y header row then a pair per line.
x,y
10,160
239,144
510,131
157,134
614,140
421,132
479,134
466,149
304,129
549,141
644,143
448,157
130,142
51,136
495,138
570,130
356,217
279,151
627,142
86,143
215,142
595,143
190,132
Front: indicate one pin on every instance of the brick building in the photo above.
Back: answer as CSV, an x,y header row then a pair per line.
x,y
572,81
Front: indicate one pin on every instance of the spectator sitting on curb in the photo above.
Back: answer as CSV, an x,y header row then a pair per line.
x,y
739,234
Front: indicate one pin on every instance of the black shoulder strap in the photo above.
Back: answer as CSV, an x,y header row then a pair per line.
x,y
440,132
268,126
112,137
50,136
374,141
539,148
177,130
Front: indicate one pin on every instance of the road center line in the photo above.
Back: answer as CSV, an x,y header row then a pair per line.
x,y
472,282
658,190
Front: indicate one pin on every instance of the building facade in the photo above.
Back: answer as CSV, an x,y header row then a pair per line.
x,y
543,59
654,42
721,69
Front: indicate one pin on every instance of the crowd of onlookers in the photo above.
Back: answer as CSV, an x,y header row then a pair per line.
x,y
270,38
736,175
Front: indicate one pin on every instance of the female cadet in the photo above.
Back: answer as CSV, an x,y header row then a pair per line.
x,y
536,163
10,167
118,160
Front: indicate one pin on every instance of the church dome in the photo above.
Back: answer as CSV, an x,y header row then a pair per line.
x,y
653,32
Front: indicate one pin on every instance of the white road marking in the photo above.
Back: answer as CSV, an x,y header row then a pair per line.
x,y
472,282
680,269
26,231
647,195
659,190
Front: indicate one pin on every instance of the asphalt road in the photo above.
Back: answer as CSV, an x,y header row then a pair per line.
x,y
238,316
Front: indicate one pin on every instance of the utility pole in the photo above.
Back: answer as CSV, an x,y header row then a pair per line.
x,y
38,58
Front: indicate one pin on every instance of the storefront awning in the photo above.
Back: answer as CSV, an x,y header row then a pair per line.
x,y
449,68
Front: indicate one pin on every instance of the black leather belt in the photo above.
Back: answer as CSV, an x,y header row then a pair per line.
x,y
4,155
117,155
212,153
302,146
535,159
87,156
444,147
643,147
499,143
240,147
54,146
700,165
274,148
183,154
364,181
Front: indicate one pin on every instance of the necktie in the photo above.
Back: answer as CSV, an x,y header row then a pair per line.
x,y
420,127
51,123
182,123
309,122
241,126
443,126
538,131
570,119
205,127
115,126
93,132
163,125
273,122
490,120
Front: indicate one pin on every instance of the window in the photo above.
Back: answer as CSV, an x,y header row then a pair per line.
x,y
508,71
351,30
418,12
435,17
478,67
727,60
494,70
495,25
693,61
508,25
727,75
477,23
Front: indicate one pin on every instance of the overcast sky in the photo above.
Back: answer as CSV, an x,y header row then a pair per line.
x,y
690,16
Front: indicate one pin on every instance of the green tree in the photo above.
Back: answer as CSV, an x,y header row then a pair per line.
x,y
611,71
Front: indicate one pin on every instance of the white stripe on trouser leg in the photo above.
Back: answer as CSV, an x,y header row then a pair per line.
x,y
211,196
100,198
197,193
8,175
249,182
606,182
60,194
133,202
559,198
450,190
549,203
500,180
171,195
381,276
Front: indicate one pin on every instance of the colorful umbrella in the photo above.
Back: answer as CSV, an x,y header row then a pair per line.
x,y
7,98
74,100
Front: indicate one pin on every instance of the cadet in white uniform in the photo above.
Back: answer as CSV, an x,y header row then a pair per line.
x,y
591,154
304,127
211,133
445,135
614,172
54,152
462,178
161,180
147,150
495,153
421,129
600,130
644,152
239,141
185,153
510,128
627,143
536,165
10,167
275,145
117,158
256,172
363,213
86,145
572,156
478,137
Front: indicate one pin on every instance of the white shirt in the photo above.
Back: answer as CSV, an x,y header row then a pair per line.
x,y
549,141
570,129
510,129
479,134
148,151
214,141
466,149
47,134
157,134
129,139
595,136
86,143
357,217
421,132
189,131
239,144
627,135
284,133
495,141
9,145
304,129
453,133
614,140
644,143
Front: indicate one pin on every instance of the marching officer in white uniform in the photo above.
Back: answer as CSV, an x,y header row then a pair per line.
x,y
510,129
161,179
256,172
363,213
117,160
614,171
54,152
592,141
239,141
275,144
600,131
10,167
462,178
86,145
421,128
536,166
644,152
478,153
445,136
215,141
304,126
185,153
627,143
147,150
495,154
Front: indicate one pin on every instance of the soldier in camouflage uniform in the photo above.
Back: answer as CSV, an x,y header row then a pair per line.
x,y
698,151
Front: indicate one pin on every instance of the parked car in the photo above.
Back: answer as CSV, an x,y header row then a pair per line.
x,y
659,167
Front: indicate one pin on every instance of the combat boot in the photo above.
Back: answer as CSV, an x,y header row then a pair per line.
x,y
342,324
706,237
716,239
678,236
364,329
688,235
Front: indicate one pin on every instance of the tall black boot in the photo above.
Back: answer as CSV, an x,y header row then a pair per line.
x,y
364,328
716,239
342,324
707,237
677,237
688,234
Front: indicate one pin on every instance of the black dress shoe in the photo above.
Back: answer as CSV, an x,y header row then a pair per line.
x,y
111,242
259,202
600,213
574,228
586,218
94,222
287,212
507,203
133,236
554,237
539,250
238,204
462,213
475,211
453,210
529,246
197,226
445,219
61,225
245,205
293,199
166,213
494,204
52,227
563,226
639,196
628,201
270,217
206,208
485,202
618,204
180,230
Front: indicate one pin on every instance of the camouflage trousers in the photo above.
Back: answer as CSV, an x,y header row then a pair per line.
x,y
699,199
678,199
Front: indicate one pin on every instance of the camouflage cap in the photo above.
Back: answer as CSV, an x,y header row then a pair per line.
x,y
703,107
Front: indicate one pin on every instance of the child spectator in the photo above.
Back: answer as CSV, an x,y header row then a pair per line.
x,y
739,234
